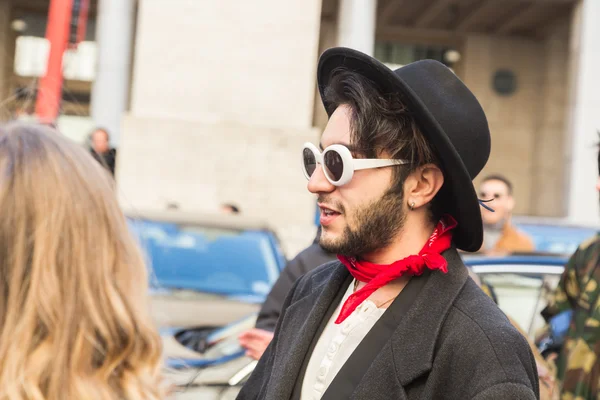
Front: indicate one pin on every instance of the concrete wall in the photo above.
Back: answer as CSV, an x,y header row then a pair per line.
x,y
513,119
223,98
527,127
7,44
550,161
223,61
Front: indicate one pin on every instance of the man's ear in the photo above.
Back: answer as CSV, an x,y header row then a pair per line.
x,y
425,182
510,202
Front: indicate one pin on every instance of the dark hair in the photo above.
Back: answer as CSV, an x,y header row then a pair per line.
x,y
500,178
380,123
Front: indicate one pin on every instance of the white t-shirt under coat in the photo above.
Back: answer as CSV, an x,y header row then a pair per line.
x,y
336,344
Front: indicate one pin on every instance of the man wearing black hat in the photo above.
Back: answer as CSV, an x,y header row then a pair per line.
x,y
397,317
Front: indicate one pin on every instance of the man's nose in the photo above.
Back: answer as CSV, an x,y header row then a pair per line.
x,y
598,184
318,182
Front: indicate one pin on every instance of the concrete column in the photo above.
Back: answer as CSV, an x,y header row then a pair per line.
x,y
584,117
110,93
356,24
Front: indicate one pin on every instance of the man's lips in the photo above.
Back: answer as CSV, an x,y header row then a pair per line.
x,y
325,208
328,215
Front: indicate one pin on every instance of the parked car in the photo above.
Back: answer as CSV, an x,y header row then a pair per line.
x,y
522,284
554,236
209,274
219,372
206,270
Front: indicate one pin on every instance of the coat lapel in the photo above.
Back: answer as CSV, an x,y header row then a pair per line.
x,y
301,321
414,340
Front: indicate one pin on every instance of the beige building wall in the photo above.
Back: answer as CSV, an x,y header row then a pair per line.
x,y
527,126
227,61
222,101
550,164
7,44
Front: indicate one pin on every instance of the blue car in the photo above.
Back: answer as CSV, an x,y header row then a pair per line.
x,y
209,274
555,237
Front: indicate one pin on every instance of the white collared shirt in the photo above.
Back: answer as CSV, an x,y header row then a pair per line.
x,y
336,344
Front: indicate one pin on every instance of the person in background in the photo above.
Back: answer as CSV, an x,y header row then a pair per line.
x,y
577,297
499,235
74,302
101,150
256,340
229,208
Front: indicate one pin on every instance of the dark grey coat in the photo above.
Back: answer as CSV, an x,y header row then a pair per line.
x,y
307,260
453,343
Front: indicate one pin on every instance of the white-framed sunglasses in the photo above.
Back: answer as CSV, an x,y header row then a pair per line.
x,y
338,164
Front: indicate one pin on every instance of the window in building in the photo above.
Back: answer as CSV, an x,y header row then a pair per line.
x,y
396,54
79,71
31,56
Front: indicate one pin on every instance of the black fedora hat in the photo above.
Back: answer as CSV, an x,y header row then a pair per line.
x,y
449,116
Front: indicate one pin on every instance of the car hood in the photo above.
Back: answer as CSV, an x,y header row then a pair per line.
x,y
173,308
223,363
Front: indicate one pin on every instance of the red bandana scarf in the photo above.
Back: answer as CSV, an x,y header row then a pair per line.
x,y
376,275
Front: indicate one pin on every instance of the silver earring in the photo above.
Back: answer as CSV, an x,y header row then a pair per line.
x,y
412,206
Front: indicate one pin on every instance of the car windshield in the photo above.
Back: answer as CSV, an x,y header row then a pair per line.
x,y
521,295
207,259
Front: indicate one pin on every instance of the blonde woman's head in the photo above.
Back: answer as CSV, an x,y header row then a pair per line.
x,y
74,322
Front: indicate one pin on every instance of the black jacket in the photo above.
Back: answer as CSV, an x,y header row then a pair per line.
x,y
452,343
108,159
307,260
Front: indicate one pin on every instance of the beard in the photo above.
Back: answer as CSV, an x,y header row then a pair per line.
x,y
375,226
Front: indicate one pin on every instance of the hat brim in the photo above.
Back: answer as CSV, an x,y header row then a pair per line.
x,y
458,193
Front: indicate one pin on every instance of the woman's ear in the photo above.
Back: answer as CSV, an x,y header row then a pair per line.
x,y
427,180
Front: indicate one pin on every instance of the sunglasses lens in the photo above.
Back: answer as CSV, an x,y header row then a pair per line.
x,y
334,165
484,195
310,162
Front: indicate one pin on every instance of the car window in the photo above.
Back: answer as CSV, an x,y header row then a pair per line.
x,y
522,296
206,259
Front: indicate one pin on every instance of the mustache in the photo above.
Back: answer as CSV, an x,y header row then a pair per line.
x,y
325,199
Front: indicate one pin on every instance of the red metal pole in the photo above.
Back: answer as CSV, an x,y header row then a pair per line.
x,y
50,86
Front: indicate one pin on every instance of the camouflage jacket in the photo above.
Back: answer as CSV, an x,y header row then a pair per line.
x,y
579,291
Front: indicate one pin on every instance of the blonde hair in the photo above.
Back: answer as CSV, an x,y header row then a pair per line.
x,y
74,321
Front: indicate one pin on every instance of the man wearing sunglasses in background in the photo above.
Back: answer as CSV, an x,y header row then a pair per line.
x,y
397,317
499,235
